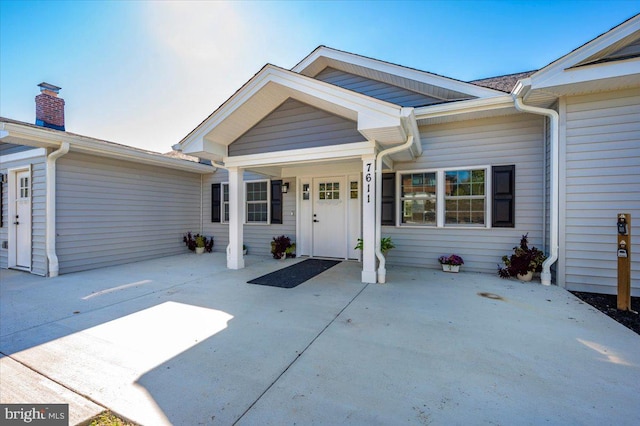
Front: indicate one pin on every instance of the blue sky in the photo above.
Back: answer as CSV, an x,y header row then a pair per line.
x,y
145,73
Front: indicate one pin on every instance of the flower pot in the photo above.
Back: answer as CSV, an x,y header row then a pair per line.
x,y
199,250
450,268
244,252
525,277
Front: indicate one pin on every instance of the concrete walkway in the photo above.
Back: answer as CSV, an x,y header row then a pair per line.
x,y
184,341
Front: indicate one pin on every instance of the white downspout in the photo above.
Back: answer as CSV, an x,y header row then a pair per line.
x,y
50,208
201,205
382,271
554,190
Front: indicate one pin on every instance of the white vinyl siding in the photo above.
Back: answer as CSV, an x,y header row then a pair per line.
x,y
111,212
510,140
602,179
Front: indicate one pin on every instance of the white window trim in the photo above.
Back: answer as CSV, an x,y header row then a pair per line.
x,y
440,197
222,202
400,206
245,221
268,201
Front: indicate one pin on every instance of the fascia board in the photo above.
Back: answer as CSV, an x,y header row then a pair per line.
x,y
319,52
398,70
337,95
129,154
45,138
589,73
463,107
591,48
30,136
306,155
227,108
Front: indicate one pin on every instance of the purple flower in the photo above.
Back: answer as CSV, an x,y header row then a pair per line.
x,y
453,259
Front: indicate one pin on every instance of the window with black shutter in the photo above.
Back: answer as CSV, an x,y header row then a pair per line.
x,y
388,199
276,202
215,202
504,183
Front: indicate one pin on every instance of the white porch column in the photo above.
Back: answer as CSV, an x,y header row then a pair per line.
x,y
368,219
235,260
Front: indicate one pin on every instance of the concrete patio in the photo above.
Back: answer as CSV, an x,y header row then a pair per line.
x,y
183,340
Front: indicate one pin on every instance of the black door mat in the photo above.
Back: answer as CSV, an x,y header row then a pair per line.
x,y
295,275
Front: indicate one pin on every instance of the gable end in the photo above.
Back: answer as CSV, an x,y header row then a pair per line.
x,y
295,125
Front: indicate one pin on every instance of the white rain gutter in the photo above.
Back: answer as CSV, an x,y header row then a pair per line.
x,y
382,271
518,93
50,208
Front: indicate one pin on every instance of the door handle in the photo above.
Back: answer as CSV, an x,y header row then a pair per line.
x,y
316,220
16,223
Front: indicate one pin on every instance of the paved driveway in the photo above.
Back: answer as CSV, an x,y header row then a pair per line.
x,y
184,341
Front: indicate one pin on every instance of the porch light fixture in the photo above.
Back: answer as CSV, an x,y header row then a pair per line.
x,y
285,187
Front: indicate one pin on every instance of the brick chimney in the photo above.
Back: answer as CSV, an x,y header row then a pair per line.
x,y
49,107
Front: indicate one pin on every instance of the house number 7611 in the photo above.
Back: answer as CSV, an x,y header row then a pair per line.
x,y
368,177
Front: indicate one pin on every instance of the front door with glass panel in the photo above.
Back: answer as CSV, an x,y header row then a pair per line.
x,y
22,220
329,208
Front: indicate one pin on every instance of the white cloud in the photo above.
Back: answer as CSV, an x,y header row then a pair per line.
x,y
203,52
199,33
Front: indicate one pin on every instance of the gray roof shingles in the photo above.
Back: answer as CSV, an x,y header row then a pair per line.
x,y
504,83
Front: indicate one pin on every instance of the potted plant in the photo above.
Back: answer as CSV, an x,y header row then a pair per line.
x,y
279,246
198,243
291,251
244,250
385,245
523,262
451,263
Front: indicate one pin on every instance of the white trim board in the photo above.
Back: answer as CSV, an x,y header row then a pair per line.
x,y
24,155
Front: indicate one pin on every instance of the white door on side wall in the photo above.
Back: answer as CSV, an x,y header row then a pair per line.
x,y
22,220
329,211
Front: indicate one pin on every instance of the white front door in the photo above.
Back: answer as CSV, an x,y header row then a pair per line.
x,y
329,212
22,219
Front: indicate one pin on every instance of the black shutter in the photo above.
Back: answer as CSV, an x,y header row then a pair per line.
x,y
388,199
276,201
504,196
215,202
